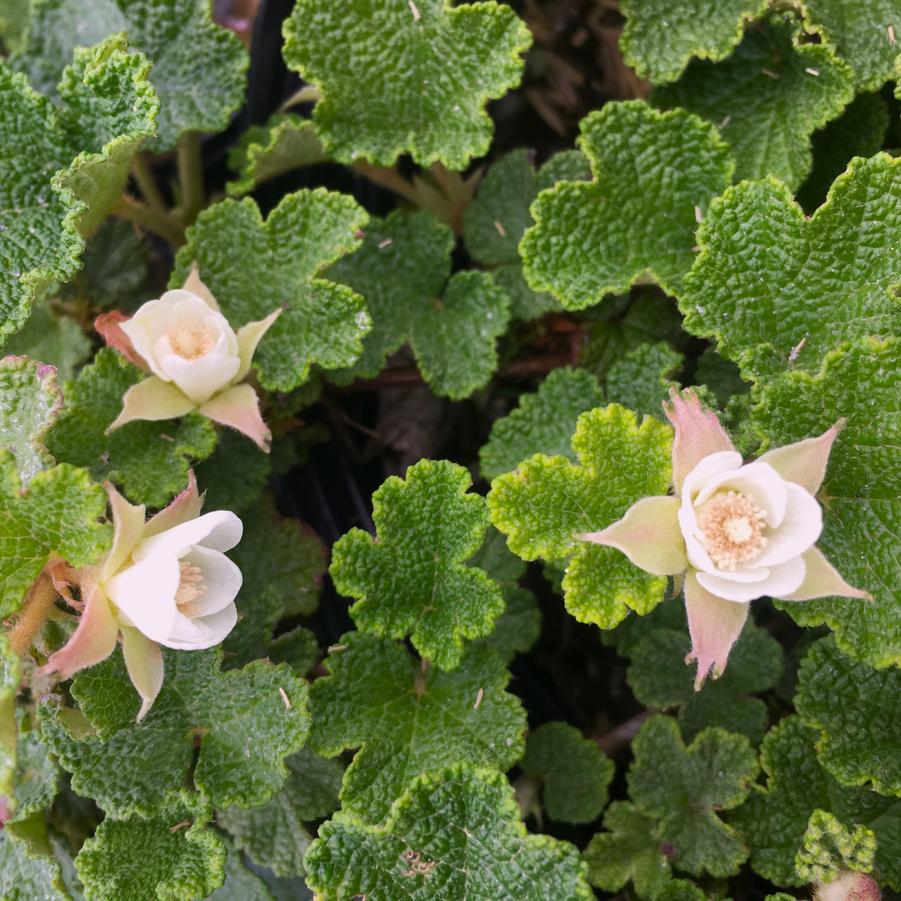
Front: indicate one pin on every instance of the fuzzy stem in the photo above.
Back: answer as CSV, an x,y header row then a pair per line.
x,y
147,217
390,179
38,606
143,175
190,175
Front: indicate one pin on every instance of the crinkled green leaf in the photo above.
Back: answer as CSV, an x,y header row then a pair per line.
x,y
30,400
284,143
495,558
65,166
854,707
55,340
412,578
661,36
14,15
235,475
27,875
830,848
56,515
573,770
864,34
10,675
244,724
241,883
659,678
454,834
198,68
148,460
774,820
544,422
767,98
719,376
543,504
417,80
255,266
778,290
37,775
642,378
518,627
451,321
859,131
652,172
862,487
407,722
628,851
684,788
170,856
275,835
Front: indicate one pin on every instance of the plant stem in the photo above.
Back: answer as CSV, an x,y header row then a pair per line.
x,y
620,737
143,175
147,217
37,608
190,175
390,179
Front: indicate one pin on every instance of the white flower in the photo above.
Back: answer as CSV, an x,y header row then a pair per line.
x,y
184,341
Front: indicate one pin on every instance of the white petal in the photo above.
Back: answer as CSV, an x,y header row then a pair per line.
x,y
145,593
201,378
197,634
707,468
143,330
784,578
220,530
759,481
797,532
221,577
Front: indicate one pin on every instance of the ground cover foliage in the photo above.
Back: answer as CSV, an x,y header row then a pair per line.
x,y
466,252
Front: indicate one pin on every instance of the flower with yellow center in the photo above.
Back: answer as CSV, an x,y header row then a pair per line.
x,y
196,360
733,532
164,582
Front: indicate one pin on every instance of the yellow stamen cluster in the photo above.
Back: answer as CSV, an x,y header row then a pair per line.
x,y
190,588
732,528
190,340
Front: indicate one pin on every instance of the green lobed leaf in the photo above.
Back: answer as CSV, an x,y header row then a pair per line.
x,y
37,775
574,772
661,36
767,98
10,676
853,707
279,266
169,856
411,579
765,286
429,71
543,504
65,166
235,475
862,32
775,818
275,835
636,220
859,382
518,627
284,143
451,322
641,380
830,848
684,788
659,678
27,875
199,69
241,883
495,558
407,721
30,400
56,515
148,460
544,422
628,851
55,340
244,724
454,834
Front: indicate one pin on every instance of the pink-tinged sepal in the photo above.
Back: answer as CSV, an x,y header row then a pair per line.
x,y
183,507
152,400
144,662
128,526
714,625
92,641
109,327
249,336
239,408
822,580
649,535
698,433
804,462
